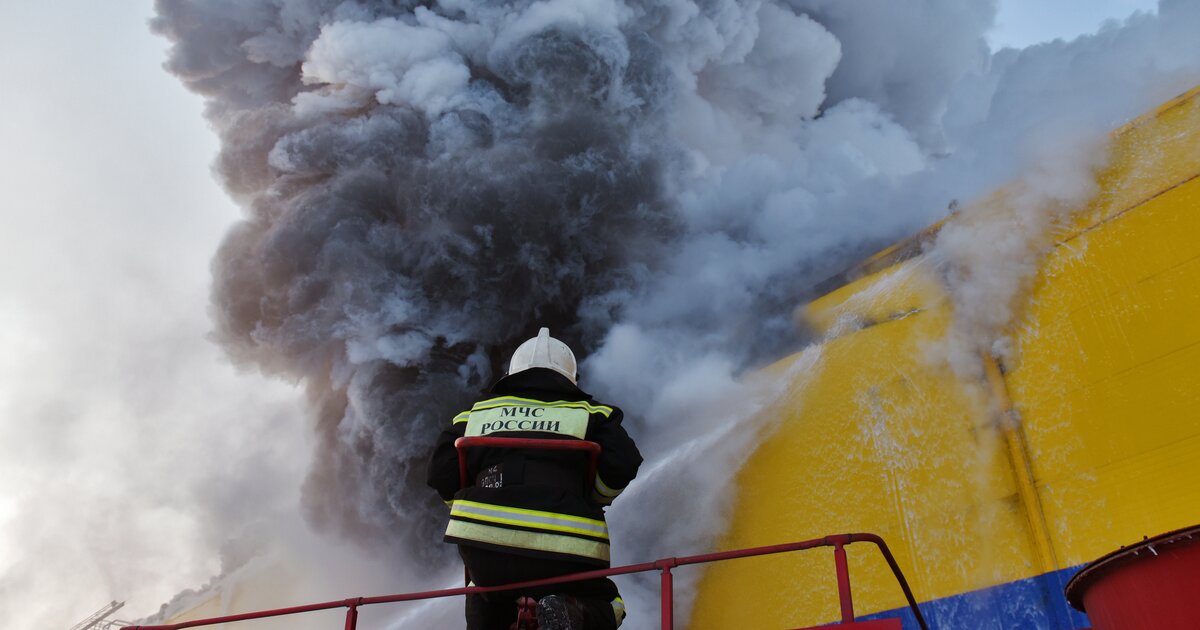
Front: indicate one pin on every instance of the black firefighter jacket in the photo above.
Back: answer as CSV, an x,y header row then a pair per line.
x,y
534,502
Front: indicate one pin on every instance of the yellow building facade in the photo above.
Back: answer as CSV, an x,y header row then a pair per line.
x,y
991,488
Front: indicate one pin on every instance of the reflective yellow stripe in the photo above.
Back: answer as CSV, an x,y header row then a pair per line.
x,y
551,521
583,520
603,494
604,490
537,541
618,606
462,417
603,410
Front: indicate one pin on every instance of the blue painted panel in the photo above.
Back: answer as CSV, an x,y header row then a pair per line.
x,y
1035,603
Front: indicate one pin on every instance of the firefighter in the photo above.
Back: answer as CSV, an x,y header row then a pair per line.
x,y
525,514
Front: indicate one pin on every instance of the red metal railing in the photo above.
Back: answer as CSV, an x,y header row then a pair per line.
x,y
663,565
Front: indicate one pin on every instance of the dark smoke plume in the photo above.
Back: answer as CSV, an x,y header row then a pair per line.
x,y
426,183
397,248
659,181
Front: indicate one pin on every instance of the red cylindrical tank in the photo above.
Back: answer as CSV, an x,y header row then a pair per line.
x,y
1153,584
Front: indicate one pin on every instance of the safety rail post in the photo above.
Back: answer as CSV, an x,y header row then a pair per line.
x,y
667,592
845,599
352,617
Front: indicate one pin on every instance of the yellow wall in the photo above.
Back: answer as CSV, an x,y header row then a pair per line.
x,y
1108,377
259,586
1105,383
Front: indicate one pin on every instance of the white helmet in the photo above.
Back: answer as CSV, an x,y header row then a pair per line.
x,y
544,351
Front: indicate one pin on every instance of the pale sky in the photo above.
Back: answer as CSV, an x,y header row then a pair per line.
x,y
1021,23
108,387
117,417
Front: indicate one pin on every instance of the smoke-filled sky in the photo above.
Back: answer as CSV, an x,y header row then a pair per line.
x,y
142,429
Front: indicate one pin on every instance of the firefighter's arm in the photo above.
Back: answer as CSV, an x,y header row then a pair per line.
x,y
442,474
619,459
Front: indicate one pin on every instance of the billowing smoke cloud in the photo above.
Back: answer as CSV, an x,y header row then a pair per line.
x,y
425,185
659,181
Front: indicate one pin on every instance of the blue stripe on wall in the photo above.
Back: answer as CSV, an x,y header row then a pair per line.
x,y
1035,603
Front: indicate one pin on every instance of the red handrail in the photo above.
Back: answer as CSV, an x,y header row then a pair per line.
x,y
664,565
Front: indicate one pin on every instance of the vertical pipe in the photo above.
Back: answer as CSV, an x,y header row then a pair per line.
x,y
843,581
1018,457
352,617
668,603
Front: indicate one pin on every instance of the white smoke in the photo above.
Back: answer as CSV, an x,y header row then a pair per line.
x,y
130,452
661,182
388,60
991,253
1038,116
1052,152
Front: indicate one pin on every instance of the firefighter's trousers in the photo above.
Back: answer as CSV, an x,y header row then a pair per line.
x,y
497,611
